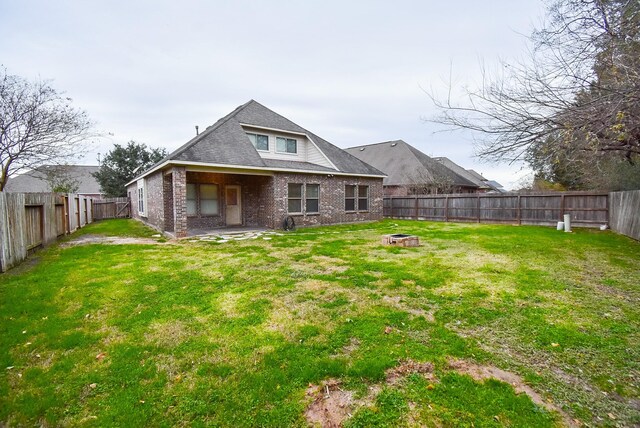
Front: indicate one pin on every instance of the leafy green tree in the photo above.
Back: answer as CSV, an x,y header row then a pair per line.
x,y
124,163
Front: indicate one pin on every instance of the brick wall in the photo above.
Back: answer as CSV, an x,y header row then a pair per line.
x,y
167,191
155,201
256,199
332,199
179,175
264,200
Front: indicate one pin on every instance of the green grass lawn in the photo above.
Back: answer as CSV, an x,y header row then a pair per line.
x,y
201,333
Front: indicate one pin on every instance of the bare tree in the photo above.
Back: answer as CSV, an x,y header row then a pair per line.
x,y
37,126
577,91
422,182
60,178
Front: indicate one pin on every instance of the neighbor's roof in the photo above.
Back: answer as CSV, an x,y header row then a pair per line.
x,y
496,186
35,180
463,172
476,175
227,143
404,164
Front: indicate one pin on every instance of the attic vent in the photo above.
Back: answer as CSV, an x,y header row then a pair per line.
x,y
362,149
394,144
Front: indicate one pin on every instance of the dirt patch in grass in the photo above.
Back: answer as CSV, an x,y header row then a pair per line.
x,y
169,334
331,405
482,373
112,240
407,367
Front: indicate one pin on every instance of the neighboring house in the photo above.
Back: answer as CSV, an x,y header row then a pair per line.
x,y
44,178
494,186
255,168
470,175
409,171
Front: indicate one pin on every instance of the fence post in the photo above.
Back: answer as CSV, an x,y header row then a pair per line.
x,y
446,208
562,206
519,211
391,206
478,206
417,217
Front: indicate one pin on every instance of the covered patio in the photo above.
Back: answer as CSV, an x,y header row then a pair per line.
x,y
205,201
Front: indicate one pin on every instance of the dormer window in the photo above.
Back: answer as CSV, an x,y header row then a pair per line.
x,y
286,145
259,141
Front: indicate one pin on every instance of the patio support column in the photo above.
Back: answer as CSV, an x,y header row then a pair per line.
x,y
179,175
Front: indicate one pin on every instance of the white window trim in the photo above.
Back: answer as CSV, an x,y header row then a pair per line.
x,y
142,185
268,142
286,138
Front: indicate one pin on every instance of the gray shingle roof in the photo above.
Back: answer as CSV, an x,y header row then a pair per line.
x,y
403,163
496,186
476,175
35,180
463,172
226,142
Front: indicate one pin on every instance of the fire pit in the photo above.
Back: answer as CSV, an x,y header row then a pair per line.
x,y
401,240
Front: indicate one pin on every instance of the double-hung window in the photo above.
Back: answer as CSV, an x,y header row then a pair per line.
x,y
309,193
142,197
363,198
286,145
356,198
259,141
202,199
312,198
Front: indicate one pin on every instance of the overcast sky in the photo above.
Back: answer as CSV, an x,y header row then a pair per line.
x,y
352,72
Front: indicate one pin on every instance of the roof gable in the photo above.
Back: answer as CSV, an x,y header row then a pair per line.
x,y
226,143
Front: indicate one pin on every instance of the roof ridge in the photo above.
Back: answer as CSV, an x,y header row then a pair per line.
x,y
375,144
197,138
207,131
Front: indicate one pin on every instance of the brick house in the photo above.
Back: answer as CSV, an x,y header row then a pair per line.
x,y
254,168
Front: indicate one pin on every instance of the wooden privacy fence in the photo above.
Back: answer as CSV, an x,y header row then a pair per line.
x,y
32,220
625,212
586,208
111,208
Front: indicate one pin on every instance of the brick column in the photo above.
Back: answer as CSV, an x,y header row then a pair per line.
x,y
179,175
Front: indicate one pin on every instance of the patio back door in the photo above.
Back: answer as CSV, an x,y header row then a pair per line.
x,y
233,205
